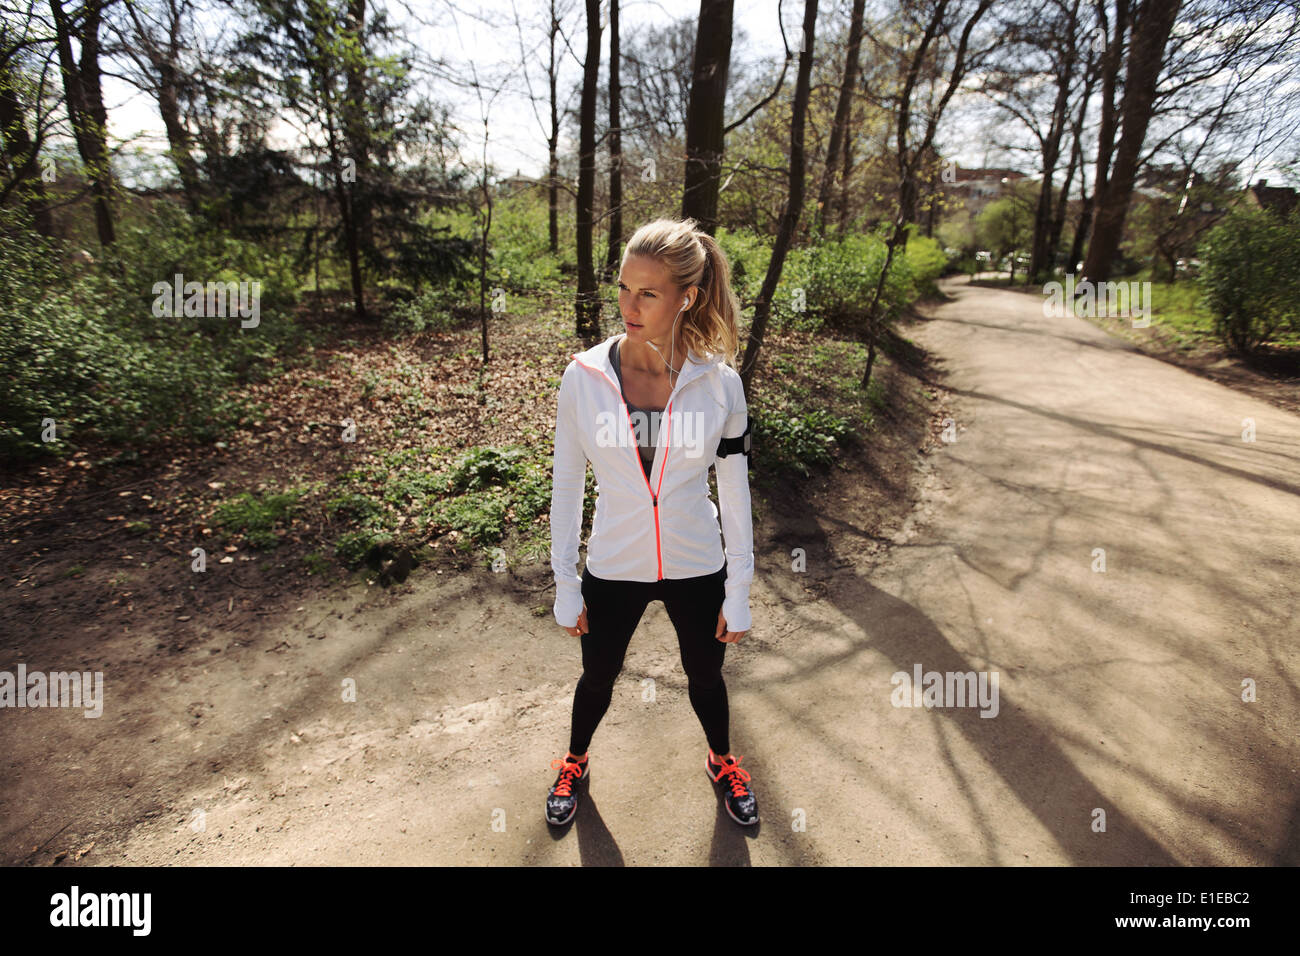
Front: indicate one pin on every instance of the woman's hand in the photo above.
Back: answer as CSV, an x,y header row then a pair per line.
x,y
732,637
581,628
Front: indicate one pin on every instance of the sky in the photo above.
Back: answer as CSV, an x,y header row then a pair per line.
x,y
489,44
483,40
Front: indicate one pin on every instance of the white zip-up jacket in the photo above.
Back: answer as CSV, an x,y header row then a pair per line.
x,y
664,526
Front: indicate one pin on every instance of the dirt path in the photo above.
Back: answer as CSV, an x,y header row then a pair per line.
x,y
1118,690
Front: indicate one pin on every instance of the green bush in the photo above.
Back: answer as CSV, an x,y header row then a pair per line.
x,y
353,547
81,344
426,310
257,518
520,242
486,467
748,253
480,516
794,440
1249,276
926,261
837,279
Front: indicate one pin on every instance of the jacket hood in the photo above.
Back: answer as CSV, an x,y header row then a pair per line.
x,y
597,357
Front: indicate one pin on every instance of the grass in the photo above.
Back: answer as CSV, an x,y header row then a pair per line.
x,y
1179,317
259,519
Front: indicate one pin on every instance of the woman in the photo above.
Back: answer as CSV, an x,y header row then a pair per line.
x,y
655,534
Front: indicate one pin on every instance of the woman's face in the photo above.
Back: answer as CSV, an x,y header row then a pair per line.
x,y
648,300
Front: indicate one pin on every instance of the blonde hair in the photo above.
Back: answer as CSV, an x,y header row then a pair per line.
x,y
694,258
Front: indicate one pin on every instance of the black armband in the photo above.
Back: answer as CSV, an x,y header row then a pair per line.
x,y
735,446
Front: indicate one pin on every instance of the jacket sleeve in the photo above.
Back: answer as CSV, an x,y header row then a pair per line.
x,y
737,521
568,482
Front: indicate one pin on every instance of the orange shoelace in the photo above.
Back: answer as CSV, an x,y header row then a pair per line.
x,y
736,775
568,770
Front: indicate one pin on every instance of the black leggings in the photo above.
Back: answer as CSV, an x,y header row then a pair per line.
x,y
614,609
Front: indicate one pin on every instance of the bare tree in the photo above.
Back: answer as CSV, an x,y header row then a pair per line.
x,y
155,38
84,98
794,200
840,138
587,306
24,82
704,116
909,156
555,15
615,151
1153,21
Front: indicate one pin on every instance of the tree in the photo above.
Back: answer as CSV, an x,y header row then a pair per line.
x,y
1153,21
300,49
704,115
909,157
155,39
843,108
1115,41
587,305
84,99
794,201
20,147
551,128
615,151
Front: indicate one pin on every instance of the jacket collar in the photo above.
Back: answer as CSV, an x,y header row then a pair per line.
x,y
597,357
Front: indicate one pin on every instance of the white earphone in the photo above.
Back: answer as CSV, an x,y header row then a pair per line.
x,y
686,303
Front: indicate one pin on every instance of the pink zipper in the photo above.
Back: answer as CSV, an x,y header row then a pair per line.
x,y
654,495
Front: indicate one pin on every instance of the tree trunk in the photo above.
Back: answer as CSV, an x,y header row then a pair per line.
x,y
355,125
613,250
553,143
178,137
342,194
85,104
908,159
1042,251
1152,24
588,300
1076,164
843,110
1111,62
1082,226
20,153
846,168
794,201
704,113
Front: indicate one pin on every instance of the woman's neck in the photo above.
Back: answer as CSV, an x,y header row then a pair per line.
x,y
642,359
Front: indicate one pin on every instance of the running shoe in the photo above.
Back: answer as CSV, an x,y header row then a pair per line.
x,y
562,800
741,804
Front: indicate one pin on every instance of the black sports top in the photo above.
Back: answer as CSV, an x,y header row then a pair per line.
x,y
645,421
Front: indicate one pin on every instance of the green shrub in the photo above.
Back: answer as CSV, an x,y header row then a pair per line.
x,y
354,506
748,253
926,261
257,517
486,467
835,281
794,440
480,516
353,547
429,309
82,346
1249,276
